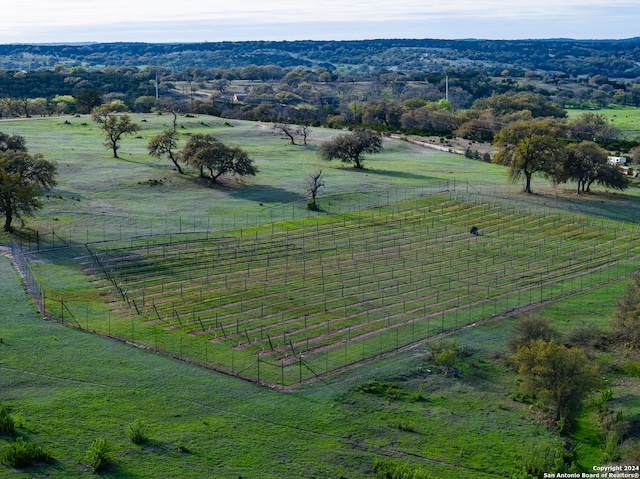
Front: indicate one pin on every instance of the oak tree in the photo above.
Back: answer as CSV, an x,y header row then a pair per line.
x,y
530,146
585,163
23,178
351,147
114,128
204,152
165,144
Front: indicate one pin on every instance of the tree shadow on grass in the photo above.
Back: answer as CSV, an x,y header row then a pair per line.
x,y
396,174
115,469
263,193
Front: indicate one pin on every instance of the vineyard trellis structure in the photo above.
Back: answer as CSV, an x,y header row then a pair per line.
x,y
290,302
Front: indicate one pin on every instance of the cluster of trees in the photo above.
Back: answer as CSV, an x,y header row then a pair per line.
x,y
558,372
203,152
541,146
282,86
618,59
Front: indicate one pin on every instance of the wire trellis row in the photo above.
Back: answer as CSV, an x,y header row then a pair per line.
x,y
292,302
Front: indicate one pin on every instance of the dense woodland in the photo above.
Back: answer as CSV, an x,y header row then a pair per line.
x,y
466,88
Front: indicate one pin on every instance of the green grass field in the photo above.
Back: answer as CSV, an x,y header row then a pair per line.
x,y
69,387
227,249
291,302
624,117
101,198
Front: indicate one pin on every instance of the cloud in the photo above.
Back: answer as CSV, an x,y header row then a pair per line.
x,y
126,20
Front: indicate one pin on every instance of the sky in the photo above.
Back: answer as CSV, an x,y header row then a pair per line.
x,y
67,21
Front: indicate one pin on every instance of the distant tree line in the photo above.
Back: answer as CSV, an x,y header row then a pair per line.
x,y
613,58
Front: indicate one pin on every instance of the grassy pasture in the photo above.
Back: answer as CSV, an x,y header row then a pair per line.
x,y
296,300
69,387
626,118
99,197
329,428
97,386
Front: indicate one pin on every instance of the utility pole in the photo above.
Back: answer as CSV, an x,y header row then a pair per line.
x,y
446,87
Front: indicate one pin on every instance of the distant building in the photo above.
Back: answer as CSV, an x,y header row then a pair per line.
x,y
617,160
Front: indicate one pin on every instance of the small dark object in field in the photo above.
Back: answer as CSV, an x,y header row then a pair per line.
x,y
474,231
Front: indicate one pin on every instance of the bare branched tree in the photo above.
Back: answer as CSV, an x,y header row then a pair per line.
x,y
314,182
287,129
303,131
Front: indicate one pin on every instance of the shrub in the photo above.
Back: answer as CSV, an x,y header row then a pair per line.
x,y
586,336
632,368
137,431
540,458
378,388
181,446
530,328
394,469
99,454
7,423
443,354
23,454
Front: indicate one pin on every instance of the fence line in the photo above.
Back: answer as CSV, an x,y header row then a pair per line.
x,y
132,228
300,367
33,286
136,228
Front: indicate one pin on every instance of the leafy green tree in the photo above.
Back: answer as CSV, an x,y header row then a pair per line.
x,y
511,102
350,147
23,177
381,112
87,99
530,146
64,104
586,163
165,144
144,104
194,145
114,127
559,378
582,163
204,152
626,315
